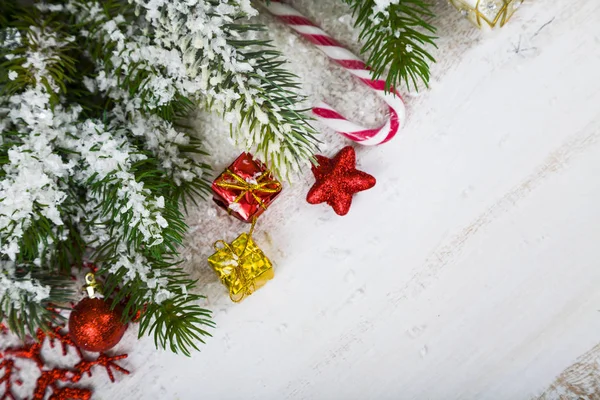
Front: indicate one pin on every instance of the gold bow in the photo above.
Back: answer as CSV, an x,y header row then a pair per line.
x,y
239,272
250,187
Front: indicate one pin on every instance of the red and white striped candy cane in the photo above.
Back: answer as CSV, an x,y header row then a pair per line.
x,y
325,113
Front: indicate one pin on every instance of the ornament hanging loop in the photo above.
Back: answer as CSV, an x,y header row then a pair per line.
x,y
92,287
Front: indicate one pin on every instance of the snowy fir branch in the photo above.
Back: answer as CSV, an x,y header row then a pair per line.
x,y
396,35
178,53
72,182
95,159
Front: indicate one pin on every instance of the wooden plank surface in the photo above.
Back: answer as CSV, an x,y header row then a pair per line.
x,y
472,269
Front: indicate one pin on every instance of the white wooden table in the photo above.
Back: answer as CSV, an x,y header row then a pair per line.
x,y
472,269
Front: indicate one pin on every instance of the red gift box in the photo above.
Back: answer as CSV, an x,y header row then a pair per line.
x,y
246,188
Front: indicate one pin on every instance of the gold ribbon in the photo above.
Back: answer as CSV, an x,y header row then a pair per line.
x,y
238,271
250,187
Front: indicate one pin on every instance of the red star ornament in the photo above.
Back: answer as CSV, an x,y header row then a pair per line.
x,y
337,179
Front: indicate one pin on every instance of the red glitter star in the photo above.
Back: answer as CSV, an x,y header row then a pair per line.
x,y
337,179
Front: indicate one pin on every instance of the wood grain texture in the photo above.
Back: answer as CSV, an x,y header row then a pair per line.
x,y
580,381
469,272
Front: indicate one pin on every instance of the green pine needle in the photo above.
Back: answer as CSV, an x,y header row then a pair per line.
x,y
397,41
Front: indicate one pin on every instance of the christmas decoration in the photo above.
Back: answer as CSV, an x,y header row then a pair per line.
x,y
95,158
241,266
57,382
337,180
487,14
94,326
246,188
325,113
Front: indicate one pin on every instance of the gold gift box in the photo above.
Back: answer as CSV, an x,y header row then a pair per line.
x,y
241,266
487,13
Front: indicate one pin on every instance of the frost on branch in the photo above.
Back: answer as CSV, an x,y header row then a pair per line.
x,y
65,173
48,146
95,159
31,186
195,50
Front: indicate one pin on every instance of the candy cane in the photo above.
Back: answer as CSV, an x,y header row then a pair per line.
x,y
332,49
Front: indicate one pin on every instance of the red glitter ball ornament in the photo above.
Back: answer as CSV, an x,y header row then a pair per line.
x,y
337,180
93,326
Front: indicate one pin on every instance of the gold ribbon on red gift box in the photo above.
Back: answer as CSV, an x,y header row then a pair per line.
x,y
250,187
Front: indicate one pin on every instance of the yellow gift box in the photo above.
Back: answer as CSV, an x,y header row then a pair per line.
x,y
241,266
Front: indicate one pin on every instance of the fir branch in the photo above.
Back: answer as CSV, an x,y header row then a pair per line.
x,y
210,58
114,184
32,190
273,116
93,154
30,296
174,317
135,226
397,36
141,93
177,323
